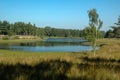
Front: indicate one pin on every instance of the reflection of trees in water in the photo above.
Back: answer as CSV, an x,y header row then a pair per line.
x,y
50,43
56,42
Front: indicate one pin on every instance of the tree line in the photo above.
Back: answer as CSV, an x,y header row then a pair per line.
x,y
114,32
21,28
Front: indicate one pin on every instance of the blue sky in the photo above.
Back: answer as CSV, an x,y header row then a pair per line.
x,y
68,14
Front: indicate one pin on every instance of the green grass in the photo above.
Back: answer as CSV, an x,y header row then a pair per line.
x,y
19,40
31,58
19,65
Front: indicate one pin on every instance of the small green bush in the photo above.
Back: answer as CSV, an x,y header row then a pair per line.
x,y
5,38
16,37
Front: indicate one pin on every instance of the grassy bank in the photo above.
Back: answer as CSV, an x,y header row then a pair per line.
x,y
15,65
19,40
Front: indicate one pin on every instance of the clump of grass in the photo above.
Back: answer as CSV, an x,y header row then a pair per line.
x,y
21,77
73,72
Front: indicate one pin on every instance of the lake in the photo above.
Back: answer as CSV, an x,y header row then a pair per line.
x,y
50,45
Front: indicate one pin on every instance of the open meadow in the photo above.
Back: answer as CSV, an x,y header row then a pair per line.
x,y
59,40
105,65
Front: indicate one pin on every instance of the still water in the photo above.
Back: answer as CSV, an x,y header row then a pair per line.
x,y
49,45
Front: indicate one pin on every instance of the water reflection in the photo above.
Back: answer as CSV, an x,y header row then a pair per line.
x,y
50,45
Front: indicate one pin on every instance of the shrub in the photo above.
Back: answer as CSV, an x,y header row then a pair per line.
x,y
16,37
5,37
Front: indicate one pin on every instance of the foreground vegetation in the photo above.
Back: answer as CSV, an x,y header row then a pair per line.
x,y
105,65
